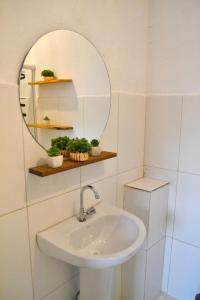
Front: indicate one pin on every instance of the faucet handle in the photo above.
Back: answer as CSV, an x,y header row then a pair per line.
x,y
91,211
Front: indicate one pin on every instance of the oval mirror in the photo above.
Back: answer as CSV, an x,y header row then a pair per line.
x,y
64,88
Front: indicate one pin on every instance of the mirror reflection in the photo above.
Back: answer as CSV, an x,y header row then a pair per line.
x,y
64,88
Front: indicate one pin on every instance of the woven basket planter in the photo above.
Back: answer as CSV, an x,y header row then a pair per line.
x,y
79,156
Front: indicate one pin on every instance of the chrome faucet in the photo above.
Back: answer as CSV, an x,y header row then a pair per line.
x,y
82,216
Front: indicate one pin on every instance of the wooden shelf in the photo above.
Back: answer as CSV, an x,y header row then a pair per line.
x,y
55,127
44,170
42,82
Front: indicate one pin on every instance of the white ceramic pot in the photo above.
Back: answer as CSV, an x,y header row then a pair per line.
x,y
96,151
79,156
55,161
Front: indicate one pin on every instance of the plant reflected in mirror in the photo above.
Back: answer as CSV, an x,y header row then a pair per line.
x,y
64,90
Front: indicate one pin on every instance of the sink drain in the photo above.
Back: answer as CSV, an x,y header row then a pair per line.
x,y
95,252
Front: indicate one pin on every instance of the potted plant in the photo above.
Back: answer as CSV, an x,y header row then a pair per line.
x,y
96,150
47,74
46,120
61,143
55,159
79,149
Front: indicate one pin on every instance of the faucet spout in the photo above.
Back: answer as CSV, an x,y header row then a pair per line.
x,y
82,213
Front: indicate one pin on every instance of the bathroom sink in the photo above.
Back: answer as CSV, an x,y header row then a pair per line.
x,y
106,239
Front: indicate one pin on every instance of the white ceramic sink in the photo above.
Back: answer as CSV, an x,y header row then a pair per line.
x,y
106,239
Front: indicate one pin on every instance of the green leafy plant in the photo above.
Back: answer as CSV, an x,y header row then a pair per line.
x,y
94,143
60,142
47,73
46,118
79,145
53,151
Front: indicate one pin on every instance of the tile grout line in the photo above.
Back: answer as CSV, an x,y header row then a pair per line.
x,y
60,286
176,194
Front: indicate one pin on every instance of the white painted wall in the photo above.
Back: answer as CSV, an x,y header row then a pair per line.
x,y
172,135
28,203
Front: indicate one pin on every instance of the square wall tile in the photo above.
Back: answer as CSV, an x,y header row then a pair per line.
x,y
15,271
109,136
163,124
187,225
171,177
42,188
190,142
12,187
98,171
49,273
131,132
184,280
123,179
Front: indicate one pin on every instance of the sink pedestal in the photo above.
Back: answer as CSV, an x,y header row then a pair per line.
x,y
96,284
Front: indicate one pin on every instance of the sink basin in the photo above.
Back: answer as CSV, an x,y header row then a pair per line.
x,y
106,239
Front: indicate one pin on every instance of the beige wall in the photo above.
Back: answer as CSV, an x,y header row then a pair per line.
x,y
28,203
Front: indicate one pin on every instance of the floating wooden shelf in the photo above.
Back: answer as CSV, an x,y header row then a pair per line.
x,y
44,170
50,81
56,127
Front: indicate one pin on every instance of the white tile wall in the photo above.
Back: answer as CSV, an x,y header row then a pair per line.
x,y
167,262
98,171
131,132
124,178
12,186
185,271
187,225
183,206
15,270
163,124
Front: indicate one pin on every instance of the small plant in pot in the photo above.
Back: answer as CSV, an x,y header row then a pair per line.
x,y
79,149
46,120
61,143
96,150
48,75
55,159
